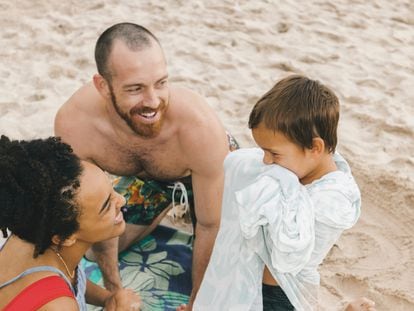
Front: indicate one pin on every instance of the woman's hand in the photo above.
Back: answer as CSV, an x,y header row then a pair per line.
x,y
123,300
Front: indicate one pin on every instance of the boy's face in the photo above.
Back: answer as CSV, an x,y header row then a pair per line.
x,y
279,149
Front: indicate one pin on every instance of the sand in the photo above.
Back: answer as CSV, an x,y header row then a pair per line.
x,y
232,52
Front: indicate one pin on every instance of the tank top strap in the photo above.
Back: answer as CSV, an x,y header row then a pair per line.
x,y
38,269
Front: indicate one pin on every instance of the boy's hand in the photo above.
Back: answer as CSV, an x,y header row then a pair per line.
x,y
123,300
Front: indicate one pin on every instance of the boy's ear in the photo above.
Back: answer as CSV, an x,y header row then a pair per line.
x,y
67,242
318,146
101,85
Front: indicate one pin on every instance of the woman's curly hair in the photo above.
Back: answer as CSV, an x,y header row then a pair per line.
x,y
39,180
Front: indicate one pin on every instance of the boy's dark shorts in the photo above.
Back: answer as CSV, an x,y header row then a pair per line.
x,y
275,299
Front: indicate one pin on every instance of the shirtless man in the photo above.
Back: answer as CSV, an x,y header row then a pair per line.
x,y
130,122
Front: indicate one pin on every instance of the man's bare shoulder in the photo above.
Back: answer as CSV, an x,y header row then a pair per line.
x,y
83,102
75,118
202,135
191,108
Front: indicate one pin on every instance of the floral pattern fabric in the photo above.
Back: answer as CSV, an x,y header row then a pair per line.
x,y
158,268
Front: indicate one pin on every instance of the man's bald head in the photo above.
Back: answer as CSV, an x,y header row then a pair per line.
x,y
134,36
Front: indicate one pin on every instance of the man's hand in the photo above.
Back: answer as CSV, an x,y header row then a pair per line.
x,y
189,305
123,300
182,307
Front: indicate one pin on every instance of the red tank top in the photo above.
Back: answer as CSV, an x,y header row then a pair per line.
x,y
39,293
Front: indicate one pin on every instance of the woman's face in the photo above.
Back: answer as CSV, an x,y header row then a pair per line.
x,y
100,207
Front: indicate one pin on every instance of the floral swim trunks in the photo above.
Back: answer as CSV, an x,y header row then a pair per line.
x,y
145,200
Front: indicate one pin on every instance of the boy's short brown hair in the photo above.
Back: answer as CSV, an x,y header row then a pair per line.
x,y
300,108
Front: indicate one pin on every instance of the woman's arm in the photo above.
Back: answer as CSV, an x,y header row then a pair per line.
x,y
61,304
123,299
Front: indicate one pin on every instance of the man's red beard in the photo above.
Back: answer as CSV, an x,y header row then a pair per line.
x,y
142,129
147,130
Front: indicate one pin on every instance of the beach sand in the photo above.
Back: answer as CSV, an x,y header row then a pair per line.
x,y
232,52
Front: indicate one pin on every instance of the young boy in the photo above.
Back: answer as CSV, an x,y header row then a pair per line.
x,y
284,206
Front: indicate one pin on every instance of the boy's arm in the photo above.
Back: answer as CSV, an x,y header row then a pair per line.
x,y
96,295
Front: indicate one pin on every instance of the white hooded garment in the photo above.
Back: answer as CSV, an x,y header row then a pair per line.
x,y
269,218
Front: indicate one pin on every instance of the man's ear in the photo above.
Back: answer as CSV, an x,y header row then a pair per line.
x,y
67,242
318,146
101,85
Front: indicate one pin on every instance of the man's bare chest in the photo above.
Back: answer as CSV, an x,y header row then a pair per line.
x,y
160,162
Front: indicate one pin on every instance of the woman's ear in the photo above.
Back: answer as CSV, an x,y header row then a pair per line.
x,y
318,146
101,85
67,242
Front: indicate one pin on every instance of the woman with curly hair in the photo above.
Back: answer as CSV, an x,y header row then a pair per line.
x,y
55,207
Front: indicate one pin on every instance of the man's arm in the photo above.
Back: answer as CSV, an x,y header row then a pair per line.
x,y
106,255
206,146
208,192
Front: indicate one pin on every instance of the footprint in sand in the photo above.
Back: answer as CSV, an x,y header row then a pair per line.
x,y
35,98
285,66
368,250
348,287
82,63
6,107
282,27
